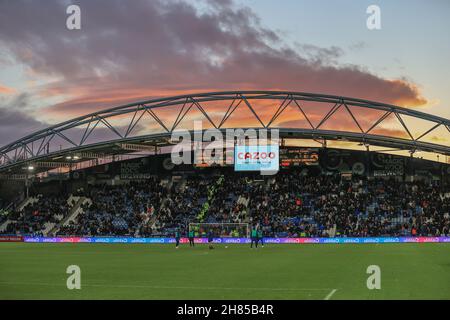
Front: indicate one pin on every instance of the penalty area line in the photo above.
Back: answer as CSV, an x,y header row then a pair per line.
x,y
328,297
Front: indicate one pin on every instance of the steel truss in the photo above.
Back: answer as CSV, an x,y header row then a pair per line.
x,y
38,146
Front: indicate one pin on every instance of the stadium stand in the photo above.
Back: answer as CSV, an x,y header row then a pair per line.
x,y
289,204
117,210
38,215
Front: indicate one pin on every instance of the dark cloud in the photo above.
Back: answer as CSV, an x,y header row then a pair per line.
x,y
148,48
15,122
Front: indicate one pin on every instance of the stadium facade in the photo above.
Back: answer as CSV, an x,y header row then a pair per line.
x,y
120,130
131,143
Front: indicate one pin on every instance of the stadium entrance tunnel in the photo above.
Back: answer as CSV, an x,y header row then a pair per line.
x,y
147,126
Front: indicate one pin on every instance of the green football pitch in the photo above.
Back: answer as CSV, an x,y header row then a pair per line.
x,y
139,271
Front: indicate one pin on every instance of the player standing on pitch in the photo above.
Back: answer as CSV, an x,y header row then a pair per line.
x,y
177,238
210,239
260,238
191,238
254,237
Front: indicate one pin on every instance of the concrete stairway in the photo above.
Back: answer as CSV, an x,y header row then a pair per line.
x,y
20,207
4,225
27,201
71,216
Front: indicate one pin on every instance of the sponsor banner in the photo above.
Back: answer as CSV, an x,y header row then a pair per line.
x,y
257,158
387,165
11,239
233,240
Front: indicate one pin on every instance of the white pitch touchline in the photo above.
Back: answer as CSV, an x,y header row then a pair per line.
x,y
165,287
330,294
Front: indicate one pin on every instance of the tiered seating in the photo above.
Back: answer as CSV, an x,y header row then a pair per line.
x,y
285,205
38,216
117,210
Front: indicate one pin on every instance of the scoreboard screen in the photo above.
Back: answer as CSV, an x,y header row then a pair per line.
x,y
299,157
201,159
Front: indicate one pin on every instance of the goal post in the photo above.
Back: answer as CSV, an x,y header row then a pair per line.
x,y
223,230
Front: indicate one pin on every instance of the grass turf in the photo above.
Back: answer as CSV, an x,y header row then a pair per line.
x,y
139,271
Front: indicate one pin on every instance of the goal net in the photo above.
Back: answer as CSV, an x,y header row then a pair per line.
x,y
232,230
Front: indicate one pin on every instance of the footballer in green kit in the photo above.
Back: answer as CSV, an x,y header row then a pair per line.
x,y
254,237
191,236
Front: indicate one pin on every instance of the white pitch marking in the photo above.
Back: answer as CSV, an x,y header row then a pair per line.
x,y
330,294
167,287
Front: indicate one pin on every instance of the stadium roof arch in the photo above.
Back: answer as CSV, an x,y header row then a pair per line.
x,y
129,128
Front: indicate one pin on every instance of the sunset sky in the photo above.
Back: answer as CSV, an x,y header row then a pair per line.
x,y
134,50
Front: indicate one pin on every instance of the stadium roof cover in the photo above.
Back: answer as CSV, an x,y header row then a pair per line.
x,y
149,124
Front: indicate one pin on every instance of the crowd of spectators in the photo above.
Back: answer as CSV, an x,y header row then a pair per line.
x,y
289,204
117,210
294,205
34,217
183,204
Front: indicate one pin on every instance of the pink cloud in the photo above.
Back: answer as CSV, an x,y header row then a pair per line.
x,y
144,49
